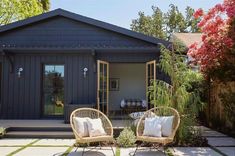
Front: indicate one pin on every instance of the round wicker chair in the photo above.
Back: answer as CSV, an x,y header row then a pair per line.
x,y
158,111
92,113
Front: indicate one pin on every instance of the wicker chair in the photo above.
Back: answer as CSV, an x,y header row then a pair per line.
x,y
92,113
159,111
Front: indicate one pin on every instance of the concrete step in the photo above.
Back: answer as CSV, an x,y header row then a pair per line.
x,y
40,134
63,129
45,132
60,131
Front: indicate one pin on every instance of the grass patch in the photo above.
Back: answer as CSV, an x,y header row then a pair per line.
x,y
23,147
50,146
168,152
118,152
68,151
2,132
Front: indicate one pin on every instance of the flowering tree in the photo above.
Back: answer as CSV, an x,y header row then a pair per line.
x,y
216,50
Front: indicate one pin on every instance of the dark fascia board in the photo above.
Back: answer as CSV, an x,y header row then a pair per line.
x,y
79,50
76,17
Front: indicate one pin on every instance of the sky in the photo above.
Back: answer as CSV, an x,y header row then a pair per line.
x,y
122,12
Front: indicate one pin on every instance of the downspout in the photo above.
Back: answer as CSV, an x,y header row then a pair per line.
x,y
9,57
94,57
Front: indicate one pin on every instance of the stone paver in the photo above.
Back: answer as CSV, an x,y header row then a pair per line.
x,y
15,142
224,141
194,151
7,150
213,134
42,151
203,128
55,142
105,151
230,151
142,152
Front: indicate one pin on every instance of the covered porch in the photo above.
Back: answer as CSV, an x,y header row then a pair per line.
x,y
122,86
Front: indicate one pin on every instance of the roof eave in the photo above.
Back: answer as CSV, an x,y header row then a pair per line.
x,y
101,24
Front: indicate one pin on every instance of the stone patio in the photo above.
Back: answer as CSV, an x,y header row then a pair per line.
x,y
221,142
42,151
57,147
230,151
142,152
194,151
105,151
220,145
15,142
55,142
6,150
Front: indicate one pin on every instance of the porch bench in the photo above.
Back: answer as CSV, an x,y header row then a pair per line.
x,y
130,109
132,105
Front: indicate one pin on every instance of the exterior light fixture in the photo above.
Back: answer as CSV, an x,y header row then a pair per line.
x,y
19,73
85,72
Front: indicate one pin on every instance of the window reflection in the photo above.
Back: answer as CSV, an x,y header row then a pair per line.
x,y
53,89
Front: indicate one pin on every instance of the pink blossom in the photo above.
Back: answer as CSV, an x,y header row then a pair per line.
x,y
198,13
217,36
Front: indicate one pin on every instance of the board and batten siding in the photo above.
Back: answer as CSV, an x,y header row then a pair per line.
x,y
64,32
21,97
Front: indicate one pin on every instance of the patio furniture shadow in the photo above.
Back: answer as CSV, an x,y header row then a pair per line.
x,y
147,153
88,153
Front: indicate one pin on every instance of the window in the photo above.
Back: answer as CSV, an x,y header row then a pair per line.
x,y
53,90
0,82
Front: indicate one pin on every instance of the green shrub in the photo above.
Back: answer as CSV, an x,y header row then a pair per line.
x,y
2,132
182,92
133,127
126,138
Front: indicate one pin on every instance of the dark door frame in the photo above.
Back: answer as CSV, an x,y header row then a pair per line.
x,y
42,90
1,78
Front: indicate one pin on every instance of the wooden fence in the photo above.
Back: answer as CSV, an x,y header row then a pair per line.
x,y
215,111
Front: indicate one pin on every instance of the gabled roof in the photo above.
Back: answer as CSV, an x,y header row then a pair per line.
x,y
87,20
187,38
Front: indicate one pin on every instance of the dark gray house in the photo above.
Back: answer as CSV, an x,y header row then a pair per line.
x,y
55,62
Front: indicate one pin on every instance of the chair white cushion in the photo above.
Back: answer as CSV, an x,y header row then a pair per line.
x,y
95,127
81,126
166,122
152,127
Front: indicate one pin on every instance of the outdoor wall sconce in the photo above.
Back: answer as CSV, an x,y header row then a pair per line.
x,y
85,72
19,73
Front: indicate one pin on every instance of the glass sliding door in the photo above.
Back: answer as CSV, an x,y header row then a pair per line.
x,y
103,86
150,76
53,90
0,82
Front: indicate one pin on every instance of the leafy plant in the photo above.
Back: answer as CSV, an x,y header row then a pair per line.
x,y
180,92
126,138
2,132
13,10
162,25
216,52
